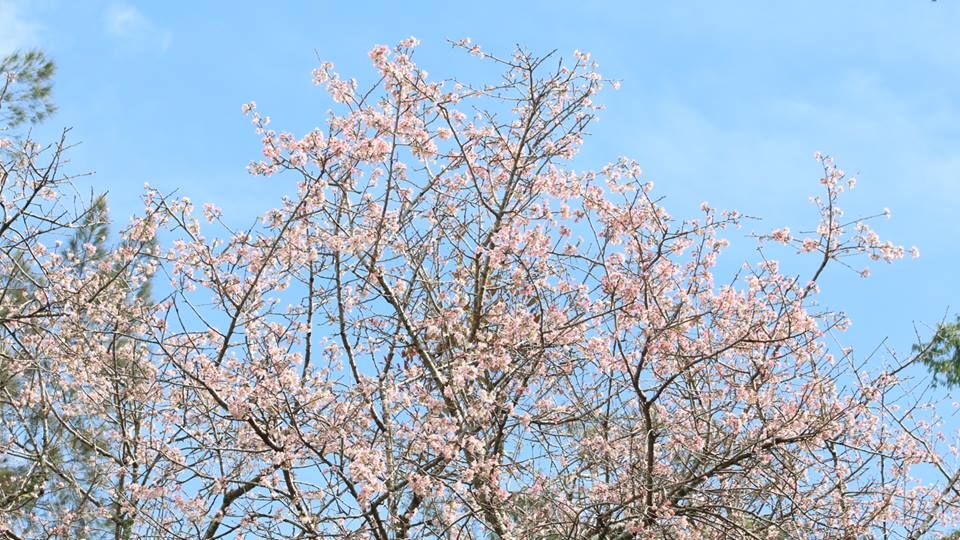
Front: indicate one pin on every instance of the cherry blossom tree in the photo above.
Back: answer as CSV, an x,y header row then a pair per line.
x,y
65,301
447,331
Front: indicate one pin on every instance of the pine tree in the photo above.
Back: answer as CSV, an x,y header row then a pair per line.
x,y
942,353
26,84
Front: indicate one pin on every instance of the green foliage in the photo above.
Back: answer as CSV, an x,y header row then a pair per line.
x,y
942,353
26,83
93,229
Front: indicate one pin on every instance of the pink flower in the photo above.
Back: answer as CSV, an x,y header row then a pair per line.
x,y
781,235
410,43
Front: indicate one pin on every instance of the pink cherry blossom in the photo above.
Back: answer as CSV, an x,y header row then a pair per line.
x,y
448,330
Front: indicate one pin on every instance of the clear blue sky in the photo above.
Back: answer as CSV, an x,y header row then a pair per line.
x,y
721,101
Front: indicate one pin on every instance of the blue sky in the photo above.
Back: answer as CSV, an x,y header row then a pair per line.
x,y
720,101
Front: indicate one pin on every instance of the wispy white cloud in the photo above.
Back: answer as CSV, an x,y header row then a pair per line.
x,y
15,31
126,23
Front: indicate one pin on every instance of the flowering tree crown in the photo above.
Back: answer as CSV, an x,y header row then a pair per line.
x,y
448,332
